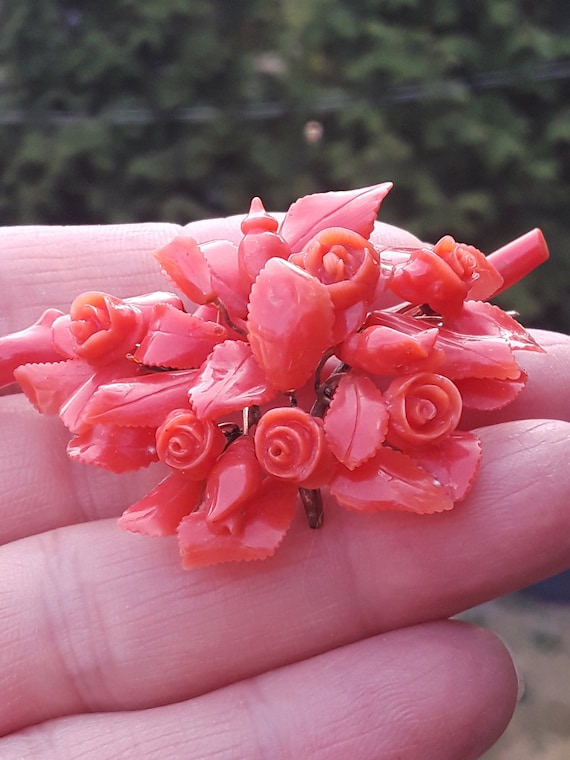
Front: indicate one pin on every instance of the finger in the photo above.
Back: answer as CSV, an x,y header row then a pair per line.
x,y
441,691
95,619
229,228
41,488
224,228
547,392
42,267
42,497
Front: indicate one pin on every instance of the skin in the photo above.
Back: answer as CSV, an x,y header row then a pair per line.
x,y
339,646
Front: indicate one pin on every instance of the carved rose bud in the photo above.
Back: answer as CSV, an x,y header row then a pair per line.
x,y
189,445
100,328
471,266
345,262
290,444
424,409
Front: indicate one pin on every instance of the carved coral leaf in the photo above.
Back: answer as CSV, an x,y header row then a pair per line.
x,y
265,520
161,510
485,319
183,263
177,339
489,394
356,421
72,412
390,480
230,379
453,462
48,385
289,323
464,355
353,209
227,281
118,449
139,401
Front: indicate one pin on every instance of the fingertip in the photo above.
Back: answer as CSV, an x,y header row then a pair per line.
x,y
51,265
467,690
388,235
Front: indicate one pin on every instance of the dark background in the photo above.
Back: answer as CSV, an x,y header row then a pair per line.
x,y
148,110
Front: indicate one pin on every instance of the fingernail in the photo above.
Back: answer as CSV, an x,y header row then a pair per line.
x,y
521,686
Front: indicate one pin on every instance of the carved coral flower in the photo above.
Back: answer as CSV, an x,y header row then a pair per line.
x,y
345,262
299,307
424,409
290,444
471,266
189,445
100,328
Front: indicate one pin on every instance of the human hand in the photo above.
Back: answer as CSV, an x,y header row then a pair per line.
x,y
337,647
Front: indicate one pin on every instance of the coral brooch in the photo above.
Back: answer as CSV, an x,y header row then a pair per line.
x,y
304,357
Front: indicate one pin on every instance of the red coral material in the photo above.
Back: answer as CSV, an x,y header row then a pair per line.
x,y
453,462
139,401
260,242
289,323
32,344
230,379
74,410
178,340
519,257
233,481
353,209
48,386
345,262
390,480
227,280
118,449
426,278
189,445
479,318
481,278
159,512
356,421
265,519
424,409
290,444
184,263
103,328
385,350
315,359
488,394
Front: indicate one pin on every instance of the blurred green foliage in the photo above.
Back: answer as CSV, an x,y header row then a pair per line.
x,y
129,110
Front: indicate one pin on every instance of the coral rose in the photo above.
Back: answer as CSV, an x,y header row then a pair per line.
x,y
345,262
290,444
189,445
424,409
471,266
101,327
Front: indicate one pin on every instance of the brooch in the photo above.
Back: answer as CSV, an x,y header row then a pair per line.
x,y
300,356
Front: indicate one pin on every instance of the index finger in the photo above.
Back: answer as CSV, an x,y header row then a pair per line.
x,y
134,630
547,392
43,267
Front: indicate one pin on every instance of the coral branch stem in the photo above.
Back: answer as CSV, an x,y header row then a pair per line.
x,y
519,257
